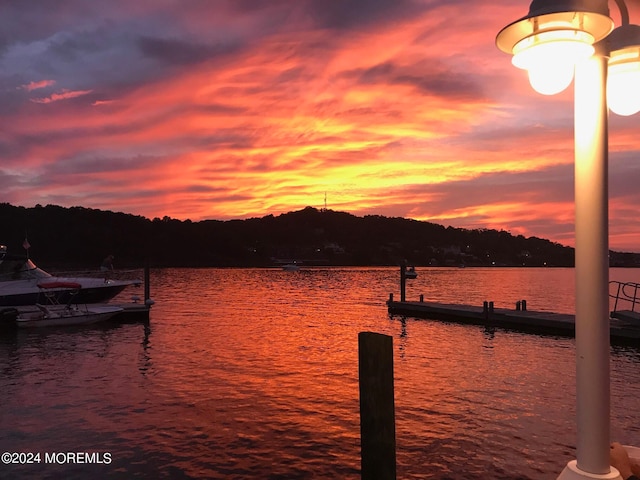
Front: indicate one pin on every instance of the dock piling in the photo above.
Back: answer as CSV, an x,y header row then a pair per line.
x,y
377,410
147,286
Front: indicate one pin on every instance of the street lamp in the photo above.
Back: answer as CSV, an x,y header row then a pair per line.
x,y
556,39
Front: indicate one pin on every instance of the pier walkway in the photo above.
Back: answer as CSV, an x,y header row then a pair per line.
x,y
624,323
624,327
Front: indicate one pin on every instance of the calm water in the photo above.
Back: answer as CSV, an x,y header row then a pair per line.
x,y
248,373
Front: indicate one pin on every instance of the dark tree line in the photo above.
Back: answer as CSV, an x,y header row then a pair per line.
x,y
82,237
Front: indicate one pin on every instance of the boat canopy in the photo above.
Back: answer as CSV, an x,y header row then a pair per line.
x,y
19,268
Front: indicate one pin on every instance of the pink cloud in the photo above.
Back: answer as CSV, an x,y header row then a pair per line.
x,y
64,95
37,85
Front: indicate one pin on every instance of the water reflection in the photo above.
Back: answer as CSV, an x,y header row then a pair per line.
x,y
145,353
246,373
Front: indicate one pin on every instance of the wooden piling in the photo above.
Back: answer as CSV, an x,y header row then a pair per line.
x,y
377,410
147,284
403,282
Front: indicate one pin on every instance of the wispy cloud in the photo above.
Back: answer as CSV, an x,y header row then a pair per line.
x,y
63,95
31,86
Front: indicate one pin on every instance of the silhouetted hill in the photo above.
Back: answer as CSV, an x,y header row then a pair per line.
x,y
81,237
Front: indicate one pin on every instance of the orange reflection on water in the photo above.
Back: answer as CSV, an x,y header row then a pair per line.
x,y
249,373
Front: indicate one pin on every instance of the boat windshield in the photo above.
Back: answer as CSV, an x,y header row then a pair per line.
x,y
20,269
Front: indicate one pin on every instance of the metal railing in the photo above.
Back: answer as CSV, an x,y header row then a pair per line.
x,y
628,292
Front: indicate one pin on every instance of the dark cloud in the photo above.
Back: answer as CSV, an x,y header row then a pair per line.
x,y
251,6
347,14
180,52
332,14
624,173
431,78
96,164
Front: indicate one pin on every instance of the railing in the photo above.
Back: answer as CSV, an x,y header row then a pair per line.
x,y
115,274
625,292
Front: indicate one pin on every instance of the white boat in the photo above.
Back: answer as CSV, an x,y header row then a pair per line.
x,y
66,315
22,283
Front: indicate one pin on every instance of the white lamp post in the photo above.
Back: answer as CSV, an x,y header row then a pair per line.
x,y
555,39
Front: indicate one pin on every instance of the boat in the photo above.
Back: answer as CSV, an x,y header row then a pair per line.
x,y
66,315
23,283
291,267
411,273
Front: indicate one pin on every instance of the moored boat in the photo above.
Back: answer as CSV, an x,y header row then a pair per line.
x,y
411,273
66,315
291,267
23,283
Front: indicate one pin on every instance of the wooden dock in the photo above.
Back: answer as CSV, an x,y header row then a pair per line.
x,y
132,312
624,325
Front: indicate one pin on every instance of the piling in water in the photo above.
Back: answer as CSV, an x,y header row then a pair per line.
x,y
377,410
147,285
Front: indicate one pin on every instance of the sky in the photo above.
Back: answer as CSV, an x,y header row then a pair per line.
x,y
232,109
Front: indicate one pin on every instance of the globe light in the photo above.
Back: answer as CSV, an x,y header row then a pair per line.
x,y
623,83
623,88
553,38
550,57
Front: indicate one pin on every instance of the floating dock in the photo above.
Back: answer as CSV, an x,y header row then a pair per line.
x,y
624,325
131,312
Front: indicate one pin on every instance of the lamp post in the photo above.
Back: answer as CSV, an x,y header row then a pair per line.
x,y
556,39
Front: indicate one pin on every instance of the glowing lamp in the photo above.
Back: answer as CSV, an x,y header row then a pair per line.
x,y
552,38
550,57
623,83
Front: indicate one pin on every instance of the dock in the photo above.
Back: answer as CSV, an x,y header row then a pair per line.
x,y
133,312
624,325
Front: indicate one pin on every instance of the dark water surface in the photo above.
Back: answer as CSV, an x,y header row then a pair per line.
x,y
249,373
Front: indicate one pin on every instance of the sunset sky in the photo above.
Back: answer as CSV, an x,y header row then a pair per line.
x,y
221,109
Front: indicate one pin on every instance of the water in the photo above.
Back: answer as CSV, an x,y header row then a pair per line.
x,y
249,373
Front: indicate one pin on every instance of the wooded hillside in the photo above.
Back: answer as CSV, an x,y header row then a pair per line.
x,y
82,237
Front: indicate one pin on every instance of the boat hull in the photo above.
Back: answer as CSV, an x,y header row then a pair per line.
x,y
85,294
67,317
23,283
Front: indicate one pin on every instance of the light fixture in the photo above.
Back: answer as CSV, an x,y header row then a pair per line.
x,y
555,39
550,57
552,38
623,83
